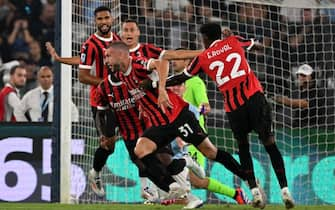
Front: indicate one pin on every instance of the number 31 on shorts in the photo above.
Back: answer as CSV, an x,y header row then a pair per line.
x,y
185,130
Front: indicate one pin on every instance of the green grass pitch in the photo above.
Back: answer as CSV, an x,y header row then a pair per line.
x,y
32,206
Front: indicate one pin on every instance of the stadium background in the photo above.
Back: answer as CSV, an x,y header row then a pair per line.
x,y
309,150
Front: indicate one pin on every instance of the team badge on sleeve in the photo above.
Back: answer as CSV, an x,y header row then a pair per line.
x,y
83,57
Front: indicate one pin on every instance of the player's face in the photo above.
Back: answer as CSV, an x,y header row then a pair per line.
x,y
116,59
179,65
103,21
19,77
130,34
304,80
45,78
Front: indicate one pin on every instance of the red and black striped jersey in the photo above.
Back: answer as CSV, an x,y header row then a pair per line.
x,y
225,63
145,50
115,95
92,58
138,71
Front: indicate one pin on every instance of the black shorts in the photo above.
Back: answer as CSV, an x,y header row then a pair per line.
x,y
185,126
255,115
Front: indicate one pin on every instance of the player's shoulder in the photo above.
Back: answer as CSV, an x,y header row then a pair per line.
x,y
90,39
89,42
116,37
140,60
151,46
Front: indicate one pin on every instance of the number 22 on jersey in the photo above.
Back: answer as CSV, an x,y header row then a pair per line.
x,y
235,70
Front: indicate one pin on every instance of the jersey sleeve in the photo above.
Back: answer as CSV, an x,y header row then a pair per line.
x,y
245,43
87,56
194,67
153,51
101,98
141,67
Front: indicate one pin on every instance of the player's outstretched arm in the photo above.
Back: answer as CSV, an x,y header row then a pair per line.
x,y
179,54
70,61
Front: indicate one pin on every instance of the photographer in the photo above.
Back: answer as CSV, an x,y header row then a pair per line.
x,y
20,38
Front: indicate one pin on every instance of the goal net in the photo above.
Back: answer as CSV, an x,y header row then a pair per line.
x,y
293,33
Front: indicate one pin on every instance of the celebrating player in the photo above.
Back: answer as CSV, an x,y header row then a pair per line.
x,y
92,57
169,123
246,106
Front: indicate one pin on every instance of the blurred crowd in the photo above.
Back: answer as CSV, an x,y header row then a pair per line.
x,y
25,26
294,34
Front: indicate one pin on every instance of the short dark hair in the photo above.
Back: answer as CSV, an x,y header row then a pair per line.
x,y
13,69
119,45
130,21
211,30
100,9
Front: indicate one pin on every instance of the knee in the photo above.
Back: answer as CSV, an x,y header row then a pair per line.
x,y
108,143
144,147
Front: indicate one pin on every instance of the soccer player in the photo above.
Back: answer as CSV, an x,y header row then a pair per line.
x,y
92,57
167,123
179,148
113,94
245,104
130,34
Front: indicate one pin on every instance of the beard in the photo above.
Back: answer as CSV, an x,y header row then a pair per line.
x,y
116,67
104,32
19,86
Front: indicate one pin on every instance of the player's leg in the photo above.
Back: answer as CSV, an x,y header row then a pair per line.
x,y
148,190
197,155
153,138
240,125
99,160
180,152
189,130
260,112
216,186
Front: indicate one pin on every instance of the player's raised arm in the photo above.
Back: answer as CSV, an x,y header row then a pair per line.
x,y
179,54
70,60
162,67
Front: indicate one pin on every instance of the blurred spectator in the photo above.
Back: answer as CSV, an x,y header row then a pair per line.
x,y
308,100
291,10
171,9
20,38
35,55
31,70
37,104
9,95
4,54
205,14
328,13
6,14
28,9
43,29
